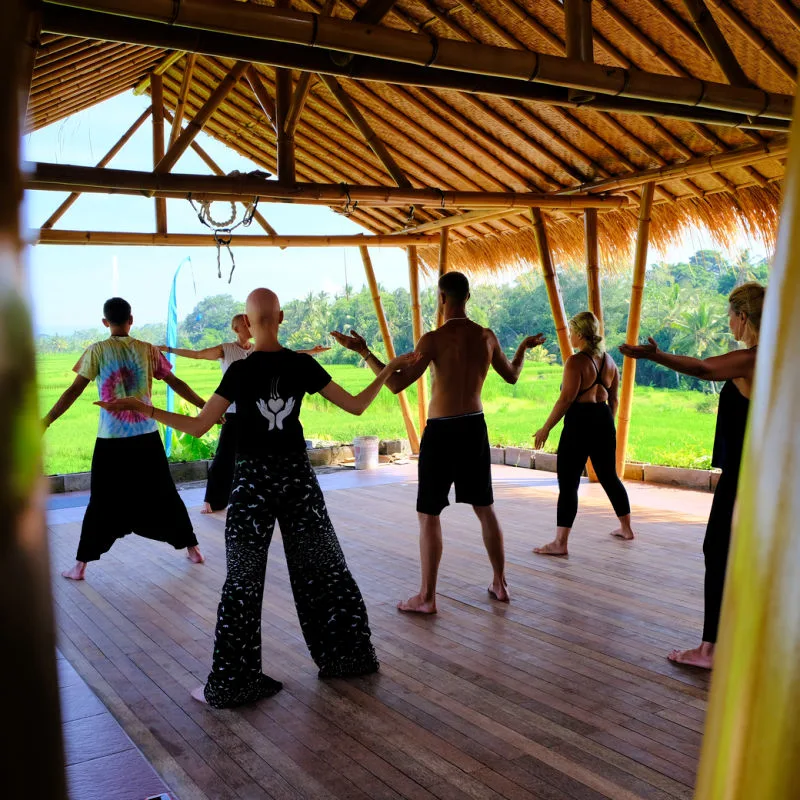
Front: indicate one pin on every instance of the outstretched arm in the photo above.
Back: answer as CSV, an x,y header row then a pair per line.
x,y
66,400
736,364
400,379
183,390
510,371
357,404
208,354
209,415
570,386
315,350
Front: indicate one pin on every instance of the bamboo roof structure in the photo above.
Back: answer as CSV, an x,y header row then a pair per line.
x,y
503,97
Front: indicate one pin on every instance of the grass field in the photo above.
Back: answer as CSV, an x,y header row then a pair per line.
x,y
668,427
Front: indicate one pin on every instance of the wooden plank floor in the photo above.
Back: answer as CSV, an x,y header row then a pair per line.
x,y
564,694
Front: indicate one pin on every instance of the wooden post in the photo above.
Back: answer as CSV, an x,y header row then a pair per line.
x,y
285,142
105,160
416,327
29,693
157,98
752,727
634,319
593,265
405,407
444,241
579,39
551,283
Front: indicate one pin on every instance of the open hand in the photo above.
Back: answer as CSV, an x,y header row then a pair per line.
x,y
354,341
540,437
316,349
403,361
534,341
162,347
125,404
640,350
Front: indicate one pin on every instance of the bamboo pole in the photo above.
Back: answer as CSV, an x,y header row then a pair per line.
x,y
593,265
462,220
689,168
157,97
444,241
283,25
579,42
122,238
180,106
117,180
74,22
199,120
364,128
416,329
746,29
217,170
260,91
106,159
286,149
634,320
171,59
405,407
299,97
29,694
32,40
551,283
752,726
718,46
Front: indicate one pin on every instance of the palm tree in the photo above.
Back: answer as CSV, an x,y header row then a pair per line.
x,y
702,331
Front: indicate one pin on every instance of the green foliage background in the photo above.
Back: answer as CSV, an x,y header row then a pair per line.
x,y
685,310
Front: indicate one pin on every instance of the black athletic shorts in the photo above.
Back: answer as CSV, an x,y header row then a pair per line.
x,y
454,450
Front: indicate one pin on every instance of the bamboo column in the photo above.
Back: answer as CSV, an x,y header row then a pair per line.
x,y
551,283
444,241
416,327
405,407
752,728
579,39
157,98
104,161
634,319
183,94
593,265
283,106
29,693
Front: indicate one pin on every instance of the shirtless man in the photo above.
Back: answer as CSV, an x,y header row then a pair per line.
x,y
455,445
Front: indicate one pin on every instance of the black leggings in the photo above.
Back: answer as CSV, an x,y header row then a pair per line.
x,y
220,471
588,433
715,549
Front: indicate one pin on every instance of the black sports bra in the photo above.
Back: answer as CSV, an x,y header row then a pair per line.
x,y
597,381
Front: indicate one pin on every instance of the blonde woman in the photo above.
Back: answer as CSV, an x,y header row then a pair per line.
x,y
588,404
736,369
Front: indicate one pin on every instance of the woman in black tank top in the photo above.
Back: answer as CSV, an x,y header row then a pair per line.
x,y
736,369
588,405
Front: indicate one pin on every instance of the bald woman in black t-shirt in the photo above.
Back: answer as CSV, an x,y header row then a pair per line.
x,y
274,481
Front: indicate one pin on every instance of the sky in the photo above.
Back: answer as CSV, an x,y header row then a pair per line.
x,y
69,284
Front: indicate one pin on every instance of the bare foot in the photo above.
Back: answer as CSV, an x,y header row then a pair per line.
x,y
194,555
551,549
77,572
206,509
199,694
499,591
621,533
418,605
701,657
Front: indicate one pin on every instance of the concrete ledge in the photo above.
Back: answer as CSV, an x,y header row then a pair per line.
x,y
545,461
676,476
77,482
519,457
497,455
634,472
715,479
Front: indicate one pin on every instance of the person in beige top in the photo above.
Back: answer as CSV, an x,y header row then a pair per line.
x,y
455,445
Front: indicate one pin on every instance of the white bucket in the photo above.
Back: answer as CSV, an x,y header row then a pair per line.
x,y
365,451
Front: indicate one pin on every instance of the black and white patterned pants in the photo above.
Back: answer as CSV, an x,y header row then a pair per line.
x,y
329,605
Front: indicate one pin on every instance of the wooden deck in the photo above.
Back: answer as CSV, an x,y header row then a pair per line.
x,y
563,694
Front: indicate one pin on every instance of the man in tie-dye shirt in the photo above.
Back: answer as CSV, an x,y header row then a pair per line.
x,y
132,490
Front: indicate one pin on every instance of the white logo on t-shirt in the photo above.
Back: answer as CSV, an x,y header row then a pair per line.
x,y
276,409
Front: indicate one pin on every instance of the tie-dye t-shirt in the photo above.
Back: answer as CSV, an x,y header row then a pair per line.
x,y
123,367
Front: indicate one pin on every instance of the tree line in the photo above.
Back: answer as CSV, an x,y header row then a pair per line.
x,y
684,310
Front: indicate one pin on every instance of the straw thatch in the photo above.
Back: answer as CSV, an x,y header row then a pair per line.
x,y
453,140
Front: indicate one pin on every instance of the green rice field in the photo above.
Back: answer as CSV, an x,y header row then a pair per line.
x,y
670,427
